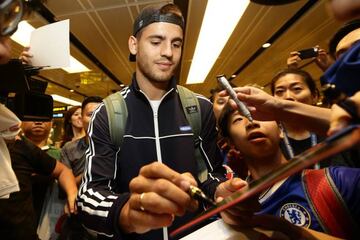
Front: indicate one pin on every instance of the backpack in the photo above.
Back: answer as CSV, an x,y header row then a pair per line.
x,y
328,204
117,114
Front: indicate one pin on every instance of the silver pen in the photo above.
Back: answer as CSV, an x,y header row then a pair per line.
x,y
241,106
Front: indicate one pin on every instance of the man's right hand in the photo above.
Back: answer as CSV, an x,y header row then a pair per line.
x,y
158,194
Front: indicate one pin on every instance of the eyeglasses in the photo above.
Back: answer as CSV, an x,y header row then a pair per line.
x,y
11,13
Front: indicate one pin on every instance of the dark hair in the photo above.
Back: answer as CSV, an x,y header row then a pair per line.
x,y
91,99
341,33
218,89
169,12
159,13
224,120
68,132
308,80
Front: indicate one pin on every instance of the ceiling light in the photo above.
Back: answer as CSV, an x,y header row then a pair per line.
x,y
65,100
71,90
266,45
22,37
23,33
220,20
76,66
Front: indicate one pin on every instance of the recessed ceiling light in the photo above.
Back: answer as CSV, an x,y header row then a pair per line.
x,y
71,90
266,45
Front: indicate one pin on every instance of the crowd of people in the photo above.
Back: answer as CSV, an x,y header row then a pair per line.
x,y
127,163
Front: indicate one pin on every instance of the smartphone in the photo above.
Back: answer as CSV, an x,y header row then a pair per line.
x,y
309,53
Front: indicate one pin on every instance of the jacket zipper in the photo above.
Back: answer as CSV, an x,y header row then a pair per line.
x,y
157,140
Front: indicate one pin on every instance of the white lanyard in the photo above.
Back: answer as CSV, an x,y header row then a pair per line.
x,y
290,149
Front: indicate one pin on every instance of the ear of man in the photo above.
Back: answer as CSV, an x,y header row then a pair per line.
x,y
133,45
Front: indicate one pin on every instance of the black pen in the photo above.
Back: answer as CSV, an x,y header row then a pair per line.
x,y
197,194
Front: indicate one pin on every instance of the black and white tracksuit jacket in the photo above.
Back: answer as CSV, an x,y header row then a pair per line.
x,y
150,135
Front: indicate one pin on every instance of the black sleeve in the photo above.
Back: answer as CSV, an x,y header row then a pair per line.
x,y
41,162
98,205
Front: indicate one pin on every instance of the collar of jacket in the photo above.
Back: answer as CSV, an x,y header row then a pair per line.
x,y
135,86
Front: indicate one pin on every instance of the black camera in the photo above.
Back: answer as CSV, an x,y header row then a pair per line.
x,y
23,94
309,53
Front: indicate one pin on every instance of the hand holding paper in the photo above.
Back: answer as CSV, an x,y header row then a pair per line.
x,y
50,45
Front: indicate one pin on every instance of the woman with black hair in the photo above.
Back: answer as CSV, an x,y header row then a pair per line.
x,y
298,85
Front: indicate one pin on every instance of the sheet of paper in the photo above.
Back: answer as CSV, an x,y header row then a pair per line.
x,y
50,45
221,231
217,228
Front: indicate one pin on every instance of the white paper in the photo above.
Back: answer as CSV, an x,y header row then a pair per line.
x,y
50,45
221,231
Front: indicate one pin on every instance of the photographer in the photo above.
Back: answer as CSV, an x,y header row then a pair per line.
x,y
11,13
319,56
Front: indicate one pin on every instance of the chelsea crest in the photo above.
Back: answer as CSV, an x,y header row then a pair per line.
x,y
296,214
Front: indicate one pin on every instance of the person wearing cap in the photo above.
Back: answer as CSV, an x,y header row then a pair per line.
x,y
138,190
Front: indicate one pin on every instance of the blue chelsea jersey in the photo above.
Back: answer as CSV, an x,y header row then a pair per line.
x,y
289,201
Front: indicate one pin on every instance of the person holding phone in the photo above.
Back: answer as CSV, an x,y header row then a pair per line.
x,y
316,54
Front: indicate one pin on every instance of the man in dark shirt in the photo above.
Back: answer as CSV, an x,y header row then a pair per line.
x,y
138,190
38,133
17,214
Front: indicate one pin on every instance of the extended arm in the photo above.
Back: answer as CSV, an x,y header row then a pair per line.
x,y
265,107
67,182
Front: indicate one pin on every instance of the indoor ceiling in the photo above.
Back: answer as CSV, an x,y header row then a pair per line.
x,y
100,31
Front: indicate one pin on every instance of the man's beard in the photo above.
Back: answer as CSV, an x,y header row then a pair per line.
x,y
155,76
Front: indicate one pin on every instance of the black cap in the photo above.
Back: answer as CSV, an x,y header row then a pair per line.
x,y
341,33
153,14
